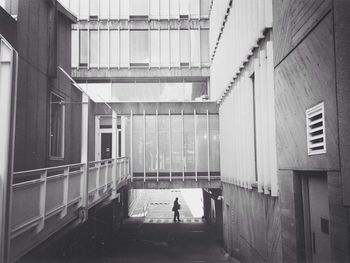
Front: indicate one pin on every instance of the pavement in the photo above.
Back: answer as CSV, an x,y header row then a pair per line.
x,y
153,238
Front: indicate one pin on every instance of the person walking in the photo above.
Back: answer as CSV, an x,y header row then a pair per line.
x,y
176,208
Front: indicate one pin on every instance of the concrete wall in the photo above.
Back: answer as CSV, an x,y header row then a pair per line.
x,y
310,40
252,228
34,86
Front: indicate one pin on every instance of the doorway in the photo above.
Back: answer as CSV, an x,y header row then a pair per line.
x,y
316,217
106,145
104,134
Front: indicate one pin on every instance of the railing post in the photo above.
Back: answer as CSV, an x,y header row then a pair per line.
x,y
120,170
208,144
125,165
42,201
106,175
98,174
84,158
195,146
115,147
65,192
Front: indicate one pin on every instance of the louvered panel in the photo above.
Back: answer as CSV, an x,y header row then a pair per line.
x,y
315,122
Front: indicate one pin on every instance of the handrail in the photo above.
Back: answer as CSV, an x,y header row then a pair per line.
x,y
48,169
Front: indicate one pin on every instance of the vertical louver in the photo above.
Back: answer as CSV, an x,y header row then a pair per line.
x,y
316,135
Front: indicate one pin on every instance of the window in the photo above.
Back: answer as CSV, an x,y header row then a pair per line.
x,y
155,49
104,9
139,48
205,46
93,9
114,48
184,47
195,43
315,122
57,115
93,48
174,48
84,10
124,48
204,8
138,8
164,48
104,48
83,54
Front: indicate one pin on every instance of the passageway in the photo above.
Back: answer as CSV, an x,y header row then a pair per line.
x,y
148,235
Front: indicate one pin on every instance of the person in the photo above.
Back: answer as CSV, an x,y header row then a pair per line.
x,y
176,209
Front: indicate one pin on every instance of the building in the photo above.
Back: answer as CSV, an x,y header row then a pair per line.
x,y
282,128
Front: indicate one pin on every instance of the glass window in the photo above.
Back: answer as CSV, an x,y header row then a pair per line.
x,y
174,9
195,51
189,144
104,9
124,48
84,10
194,8
184,8
204,8
164,91
202,145
138,8
176,145
139,48
164,144
104,48
138,141
93,48
184,47
155,49
114,48
114,9
164,48
151,146
124,9
214,144
164,9
154,9
83,54
57,112
175,48
205,46
93,9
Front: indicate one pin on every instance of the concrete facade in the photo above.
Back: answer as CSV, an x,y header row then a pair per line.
x,y
308,68
44,44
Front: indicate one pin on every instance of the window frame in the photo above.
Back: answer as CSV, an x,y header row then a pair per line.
x,y
62,150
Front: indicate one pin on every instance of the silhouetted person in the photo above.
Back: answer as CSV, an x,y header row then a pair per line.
x,y
176,209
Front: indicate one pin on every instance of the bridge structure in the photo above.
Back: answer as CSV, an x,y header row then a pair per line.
x,y
42,202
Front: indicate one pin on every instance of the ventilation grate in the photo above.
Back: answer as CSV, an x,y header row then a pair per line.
x,y
316,135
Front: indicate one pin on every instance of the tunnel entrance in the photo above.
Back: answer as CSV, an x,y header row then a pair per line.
x,y
155,206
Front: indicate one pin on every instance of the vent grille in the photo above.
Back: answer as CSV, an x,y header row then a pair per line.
x,y
316,135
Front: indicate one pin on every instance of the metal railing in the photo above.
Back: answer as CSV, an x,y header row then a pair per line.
x,y
53,193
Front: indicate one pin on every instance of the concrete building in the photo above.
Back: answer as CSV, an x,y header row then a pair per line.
x,y
246,99
282,128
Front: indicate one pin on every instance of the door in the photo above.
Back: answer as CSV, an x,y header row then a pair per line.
x,y
106,146
317,227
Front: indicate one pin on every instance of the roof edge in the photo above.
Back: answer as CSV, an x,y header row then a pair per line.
x,y
66,12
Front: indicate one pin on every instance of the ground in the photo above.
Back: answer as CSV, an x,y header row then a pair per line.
x,y
153,238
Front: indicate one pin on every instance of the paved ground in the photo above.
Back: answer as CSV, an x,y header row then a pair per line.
x,y
151,239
